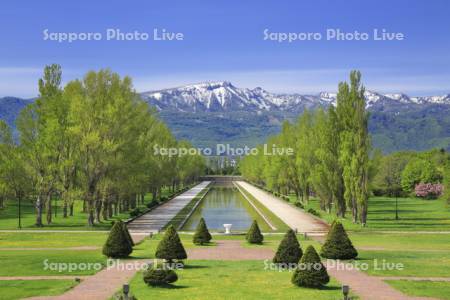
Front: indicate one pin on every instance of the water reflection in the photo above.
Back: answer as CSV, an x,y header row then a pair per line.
x,y
220,206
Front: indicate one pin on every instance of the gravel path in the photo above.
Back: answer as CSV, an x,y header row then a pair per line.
x,y
157,218
293,217
100,286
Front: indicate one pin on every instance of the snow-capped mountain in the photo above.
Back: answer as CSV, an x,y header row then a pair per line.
x,y
224,96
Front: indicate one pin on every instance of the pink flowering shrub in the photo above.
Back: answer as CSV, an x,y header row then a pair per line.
x,y
429,190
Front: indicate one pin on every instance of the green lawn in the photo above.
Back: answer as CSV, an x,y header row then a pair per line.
x,y
30,263
401,241
51,239
18,289
440,290
9,216
416,263
232,280
414,214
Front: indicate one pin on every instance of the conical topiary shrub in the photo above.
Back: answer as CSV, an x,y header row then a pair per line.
x,y
337,244
289,250
310,272
118,244
127,233
202,235
170,247
254,235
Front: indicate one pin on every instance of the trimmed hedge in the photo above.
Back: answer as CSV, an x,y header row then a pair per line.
x,y
254,235
127,233
201,235
170,247
311,272
156,277
289,250
118,243
337,244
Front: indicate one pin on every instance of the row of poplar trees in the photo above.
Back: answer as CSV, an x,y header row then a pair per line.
x,y
91,140
331,155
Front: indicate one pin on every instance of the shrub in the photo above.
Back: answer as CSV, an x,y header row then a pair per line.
x,y
163,199
312,273
289,250
313,212
202,235
152,204
254,235
170,247
156,277
299,204
127,233
428,190
118,244
337,244
135,212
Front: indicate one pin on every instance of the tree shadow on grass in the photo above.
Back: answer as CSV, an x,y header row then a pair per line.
x,y
329,288
170,286
195,267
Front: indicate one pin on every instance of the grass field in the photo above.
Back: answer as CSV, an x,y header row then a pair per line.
x,y
277,222
440,290
414,214
18,289
9,216
232,280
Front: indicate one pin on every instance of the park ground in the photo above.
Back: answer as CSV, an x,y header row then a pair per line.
x,y
419,240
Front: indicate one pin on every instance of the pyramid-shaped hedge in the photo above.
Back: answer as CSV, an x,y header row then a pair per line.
x,y
118,243
170,247
337,244
127,233
201,235
311,272
289,250
254,235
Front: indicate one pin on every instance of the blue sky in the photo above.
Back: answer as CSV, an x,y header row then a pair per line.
x,y
223,40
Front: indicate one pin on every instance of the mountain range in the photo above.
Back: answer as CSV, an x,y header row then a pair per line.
x,y
219,112
223,96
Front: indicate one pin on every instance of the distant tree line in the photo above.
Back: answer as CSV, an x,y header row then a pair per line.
x,y
404,173
92,139
331,155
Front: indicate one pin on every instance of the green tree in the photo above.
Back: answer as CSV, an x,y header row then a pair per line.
x,y
289,250
354,145
170,247
40,136
254,235
416,171
201,235
337,244
311,272
118,243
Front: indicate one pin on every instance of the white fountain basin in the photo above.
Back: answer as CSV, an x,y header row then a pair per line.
x,y
227,228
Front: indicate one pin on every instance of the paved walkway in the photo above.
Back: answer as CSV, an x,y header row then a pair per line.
x,y
365,286
229,250
293,217
157,218
369,287
102,285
